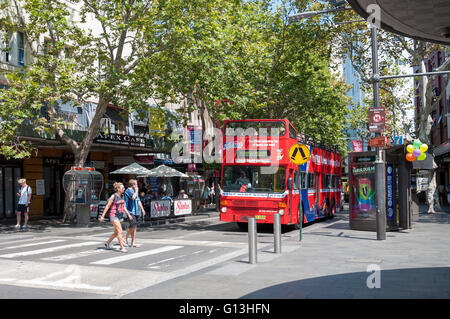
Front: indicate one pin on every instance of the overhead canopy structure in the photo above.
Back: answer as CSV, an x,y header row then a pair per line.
x,y
426,20
163,171
131,169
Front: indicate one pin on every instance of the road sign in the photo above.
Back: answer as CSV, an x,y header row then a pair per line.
x,y
377,141
299,154
398,140
377,119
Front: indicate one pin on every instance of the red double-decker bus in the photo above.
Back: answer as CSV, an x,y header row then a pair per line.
x,y
256,169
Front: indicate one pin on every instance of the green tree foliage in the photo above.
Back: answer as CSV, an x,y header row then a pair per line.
x,y
201,50
81,49
266,65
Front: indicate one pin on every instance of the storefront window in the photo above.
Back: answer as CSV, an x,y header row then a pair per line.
x,y
9,190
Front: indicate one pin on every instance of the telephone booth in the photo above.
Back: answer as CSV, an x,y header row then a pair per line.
x,y
362,190
194,186
83,186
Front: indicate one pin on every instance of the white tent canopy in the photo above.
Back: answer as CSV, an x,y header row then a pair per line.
x,y
134,168
163,171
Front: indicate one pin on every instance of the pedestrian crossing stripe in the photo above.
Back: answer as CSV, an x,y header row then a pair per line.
x,y
127,257
299,154
48,250
33,244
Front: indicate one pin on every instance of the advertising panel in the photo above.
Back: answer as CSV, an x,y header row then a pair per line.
x,y
160,208
390,191
363,191
182,207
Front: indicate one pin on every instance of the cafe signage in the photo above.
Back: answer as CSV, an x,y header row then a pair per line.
x,y
119,139
160,208
182,207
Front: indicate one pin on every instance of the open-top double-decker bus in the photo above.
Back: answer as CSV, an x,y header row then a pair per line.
x,y
256,172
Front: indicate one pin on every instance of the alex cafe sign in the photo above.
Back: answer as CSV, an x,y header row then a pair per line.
x,y
120,139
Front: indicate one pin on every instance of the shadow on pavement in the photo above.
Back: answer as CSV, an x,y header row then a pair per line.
x,y
397,283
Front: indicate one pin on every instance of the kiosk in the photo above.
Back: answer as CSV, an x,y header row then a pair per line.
x,y
362,194
83,186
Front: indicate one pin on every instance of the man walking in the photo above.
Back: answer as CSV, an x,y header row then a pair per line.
x,y
23,205
134,206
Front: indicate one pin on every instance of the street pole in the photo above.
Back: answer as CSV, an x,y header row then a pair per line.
x,y
380,175
300,210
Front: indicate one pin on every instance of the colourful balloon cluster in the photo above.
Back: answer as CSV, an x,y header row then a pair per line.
x,y
416,151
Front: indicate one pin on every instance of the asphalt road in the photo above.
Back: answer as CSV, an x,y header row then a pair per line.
x,y
72,263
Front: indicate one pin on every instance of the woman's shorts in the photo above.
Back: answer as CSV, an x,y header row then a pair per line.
x,y
113,218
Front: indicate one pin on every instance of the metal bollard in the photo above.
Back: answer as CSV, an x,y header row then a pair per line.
x,y
252,240
277,233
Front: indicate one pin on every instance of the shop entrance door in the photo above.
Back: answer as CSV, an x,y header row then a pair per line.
x,y
8,189
53,199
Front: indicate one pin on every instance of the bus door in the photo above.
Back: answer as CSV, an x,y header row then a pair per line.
x,y
295,196
318,193
290,194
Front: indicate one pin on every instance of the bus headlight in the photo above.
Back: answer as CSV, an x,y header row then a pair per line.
x,y
223,209
281,212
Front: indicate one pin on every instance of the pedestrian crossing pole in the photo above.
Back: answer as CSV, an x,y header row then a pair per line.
x,y
300,210
299,155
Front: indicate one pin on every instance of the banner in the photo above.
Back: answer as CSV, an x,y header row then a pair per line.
x,y
357,146
160,208
156,121
182,207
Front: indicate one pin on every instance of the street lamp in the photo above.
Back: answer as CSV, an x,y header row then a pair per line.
x,y
309,14
380,175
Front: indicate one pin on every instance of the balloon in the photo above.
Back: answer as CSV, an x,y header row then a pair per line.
x,y
417,143
410,157
422,157
410,148
417,152
424,148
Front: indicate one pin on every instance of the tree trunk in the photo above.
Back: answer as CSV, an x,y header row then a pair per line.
x,y
81,153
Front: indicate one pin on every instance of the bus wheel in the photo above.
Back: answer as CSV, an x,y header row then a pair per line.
x,y
242,226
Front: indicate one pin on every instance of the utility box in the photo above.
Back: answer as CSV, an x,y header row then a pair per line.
x,y
83,186
362,190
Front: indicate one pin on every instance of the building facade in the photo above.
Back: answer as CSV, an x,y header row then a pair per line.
x,y
440,127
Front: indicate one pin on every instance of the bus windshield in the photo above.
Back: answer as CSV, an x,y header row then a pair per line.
x,y
256,128
254,179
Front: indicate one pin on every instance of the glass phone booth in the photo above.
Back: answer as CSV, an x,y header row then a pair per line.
x,y
83,186
362,190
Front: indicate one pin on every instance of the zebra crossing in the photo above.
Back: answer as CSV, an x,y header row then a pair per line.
x,y
93,252
84,265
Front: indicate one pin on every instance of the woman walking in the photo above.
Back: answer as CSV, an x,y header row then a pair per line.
x,y
117,204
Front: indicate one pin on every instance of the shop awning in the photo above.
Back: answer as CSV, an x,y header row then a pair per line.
x,y
132,169
164,171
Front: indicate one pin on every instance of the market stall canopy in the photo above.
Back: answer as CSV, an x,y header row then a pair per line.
x,y
163,171
134,168
426,20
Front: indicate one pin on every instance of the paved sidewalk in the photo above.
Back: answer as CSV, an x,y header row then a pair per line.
x,y
56,225
332,261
